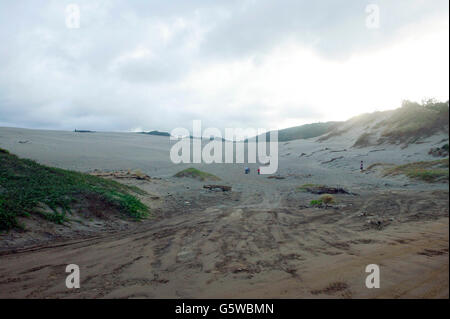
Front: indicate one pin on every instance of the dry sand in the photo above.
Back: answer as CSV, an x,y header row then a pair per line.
x,y
260,240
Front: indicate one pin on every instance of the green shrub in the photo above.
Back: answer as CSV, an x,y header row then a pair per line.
x,y
315,202
196,174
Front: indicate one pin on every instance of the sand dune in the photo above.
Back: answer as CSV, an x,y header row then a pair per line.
x,y
262,239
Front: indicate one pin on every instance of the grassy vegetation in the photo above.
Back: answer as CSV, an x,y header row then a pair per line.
x,y
431,175
305,131
428,171
196,174
372,166
410,123
416,120
325,199
316,202
25,186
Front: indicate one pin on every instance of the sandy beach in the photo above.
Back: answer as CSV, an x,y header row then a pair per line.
x,y
221,155
261,240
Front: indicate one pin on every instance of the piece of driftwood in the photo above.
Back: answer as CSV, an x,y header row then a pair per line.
x,y
122,174
318,189
217,187
276,177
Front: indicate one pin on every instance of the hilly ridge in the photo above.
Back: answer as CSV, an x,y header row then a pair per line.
x,y
411,123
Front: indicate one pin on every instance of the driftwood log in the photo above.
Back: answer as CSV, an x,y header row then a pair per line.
x,y
276,177
217,187
122,174
318,189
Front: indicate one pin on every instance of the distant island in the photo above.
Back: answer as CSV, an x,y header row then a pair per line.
x,y
83,131
156,133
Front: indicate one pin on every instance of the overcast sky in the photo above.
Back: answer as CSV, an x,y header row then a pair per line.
x,y
144,64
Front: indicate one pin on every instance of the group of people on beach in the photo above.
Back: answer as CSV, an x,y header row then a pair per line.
x,y
247,170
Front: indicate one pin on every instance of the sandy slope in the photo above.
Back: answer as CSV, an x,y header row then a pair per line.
x,y
261,240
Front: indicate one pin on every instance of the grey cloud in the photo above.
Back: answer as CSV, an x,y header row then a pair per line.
x,y
334,28
54,77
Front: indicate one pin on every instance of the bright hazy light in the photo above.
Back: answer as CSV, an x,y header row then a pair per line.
x,y
294,77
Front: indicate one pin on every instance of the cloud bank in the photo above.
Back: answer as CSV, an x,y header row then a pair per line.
x,y
141,65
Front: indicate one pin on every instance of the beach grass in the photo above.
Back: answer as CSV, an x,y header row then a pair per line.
x,y
196,174
428,171
26,185
327,199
